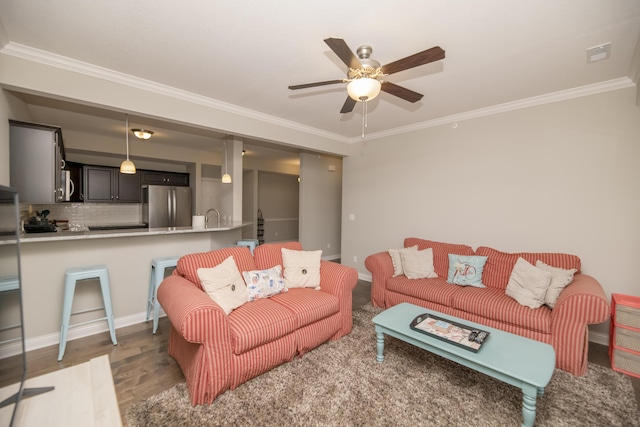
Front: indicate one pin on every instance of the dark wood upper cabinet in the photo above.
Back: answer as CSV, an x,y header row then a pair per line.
x,y
108,185
164,178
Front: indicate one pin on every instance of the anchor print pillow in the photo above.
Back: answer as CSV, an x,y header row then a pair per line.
x,y
264,283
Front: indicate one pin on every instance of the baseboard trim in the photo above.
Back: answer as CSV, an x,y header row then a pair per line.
x,y
14,348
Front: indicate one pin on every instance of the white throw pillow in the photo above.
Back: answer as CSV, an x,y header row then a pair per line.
x,y
418,264
224,284
396,259
264,283
528,284
301,268
560,279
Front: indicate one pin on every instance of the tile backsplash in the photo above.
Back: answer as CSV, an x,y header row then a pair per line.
x,y
81,215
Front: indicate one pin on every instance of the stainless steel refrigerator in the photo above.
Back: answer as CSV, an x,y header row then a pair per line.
x,y
166,206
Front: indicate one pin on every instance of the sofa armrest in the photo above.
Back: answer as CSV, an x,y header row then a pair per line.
x,y
188,308
582,301
336,279
340,280
381,268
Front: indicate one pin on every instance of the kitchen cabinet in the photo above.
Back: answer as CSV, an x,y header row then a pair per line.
x,y
108,185
36,162
164,178
76,181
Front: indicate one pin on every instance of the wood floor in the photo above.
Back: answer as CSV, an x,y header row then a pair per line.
x,y
141,366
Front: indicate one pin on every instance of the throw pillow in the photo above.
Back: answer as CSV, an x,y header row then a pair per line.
x,y
466,270
397,260
264,283
560,279
418,264
224,284
528,284
301,268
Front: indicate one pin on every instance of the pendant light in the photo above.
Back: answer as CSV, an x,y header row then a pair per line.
x,y
226,178
127,165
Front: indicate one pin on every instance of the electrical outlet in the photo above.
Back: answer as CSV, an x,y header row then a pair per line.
x,y
328,245
355,258
276,234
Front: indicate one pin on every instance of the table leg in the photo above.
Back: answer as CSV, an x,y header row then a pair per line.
x,y
380,346
529,395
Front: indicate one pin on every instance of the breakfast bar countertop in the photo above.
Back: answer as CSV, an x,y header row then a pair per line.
x,y
126,232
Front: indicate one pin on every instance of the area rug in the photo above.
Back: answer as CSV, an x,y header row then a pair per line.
x,y
341,384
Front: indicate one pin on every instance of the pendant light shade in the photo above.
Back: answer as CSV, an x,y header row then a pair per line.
x,y
127,165
226,178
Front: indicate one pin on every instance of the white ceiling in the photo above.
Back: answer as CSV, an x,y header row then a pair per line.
x,y
245,53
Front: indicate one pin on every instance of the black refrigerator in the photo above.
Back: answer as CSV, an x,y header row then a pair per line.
x,y
166,206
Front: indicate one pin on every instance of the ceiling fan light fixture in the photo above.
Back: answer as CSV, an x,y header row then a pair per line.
x,y
142,133
364,89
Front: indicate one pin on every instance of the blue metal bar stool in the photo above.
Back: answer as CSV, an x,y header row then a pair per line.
x,y
249,242
158,266
72,276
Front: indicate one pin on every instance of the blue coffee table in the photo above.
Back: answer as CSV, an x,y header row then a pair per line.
x,y
515,360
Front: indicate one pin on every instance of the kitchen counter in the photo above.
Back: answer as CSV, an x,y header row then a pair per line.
x,y
128,255
127,232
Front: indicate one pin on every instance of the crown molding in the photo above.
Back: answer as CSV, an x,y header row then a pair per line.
x,y
51,59
62,62
563,95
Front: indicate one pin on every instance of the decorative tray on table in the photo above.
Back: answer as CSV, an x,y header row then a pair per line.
x,y
452,332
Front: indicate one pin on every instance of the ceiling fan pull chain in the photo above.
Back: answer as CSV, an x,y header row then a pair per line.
x,y
364,117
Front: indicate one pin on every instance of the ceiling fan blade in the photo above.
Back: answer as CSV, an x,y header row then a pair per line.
x,y
306,85
401,92
340,48
348,105
426,56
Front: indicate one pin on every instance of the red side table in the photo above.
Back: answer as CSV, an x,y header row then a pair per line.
x,y
624,349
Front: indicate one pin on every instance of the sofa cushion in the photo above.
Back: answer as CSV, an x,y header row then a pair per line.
x,y
259,322
264,283
301,268
396,258
435,290
418,264
466,270
308,305
493,303
499,265
441,252
224,285
270,254
528,284
188,265
560,279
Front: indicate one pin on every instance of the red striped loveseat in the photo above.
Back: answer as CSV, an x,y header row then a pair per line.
x,y
218,352
581,303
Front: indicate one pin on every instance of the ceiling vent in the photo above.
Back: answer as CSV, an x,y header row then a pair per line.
x,y
598,53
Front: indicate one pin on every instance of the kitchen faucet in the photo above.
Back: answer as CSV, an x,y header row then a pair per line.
x,y
206,216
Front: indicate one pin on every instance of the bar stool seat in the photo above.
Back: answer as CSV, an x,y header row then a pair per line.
x,y
158,266
248,242
78,275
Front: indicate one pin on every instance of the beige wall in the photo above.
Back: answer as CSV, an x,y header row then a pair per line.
x,y
320,202
561,177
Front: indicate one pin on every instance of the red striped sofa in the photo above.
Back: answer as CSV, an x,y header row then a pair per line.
x,y
218,352
581,303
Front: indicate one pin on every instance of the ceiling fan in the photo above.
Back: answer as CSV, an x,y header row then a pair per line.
x,y
365,74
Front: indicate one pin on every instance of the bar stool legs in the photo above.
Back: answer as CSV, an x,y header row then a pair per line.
x,y
72,276
158,266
